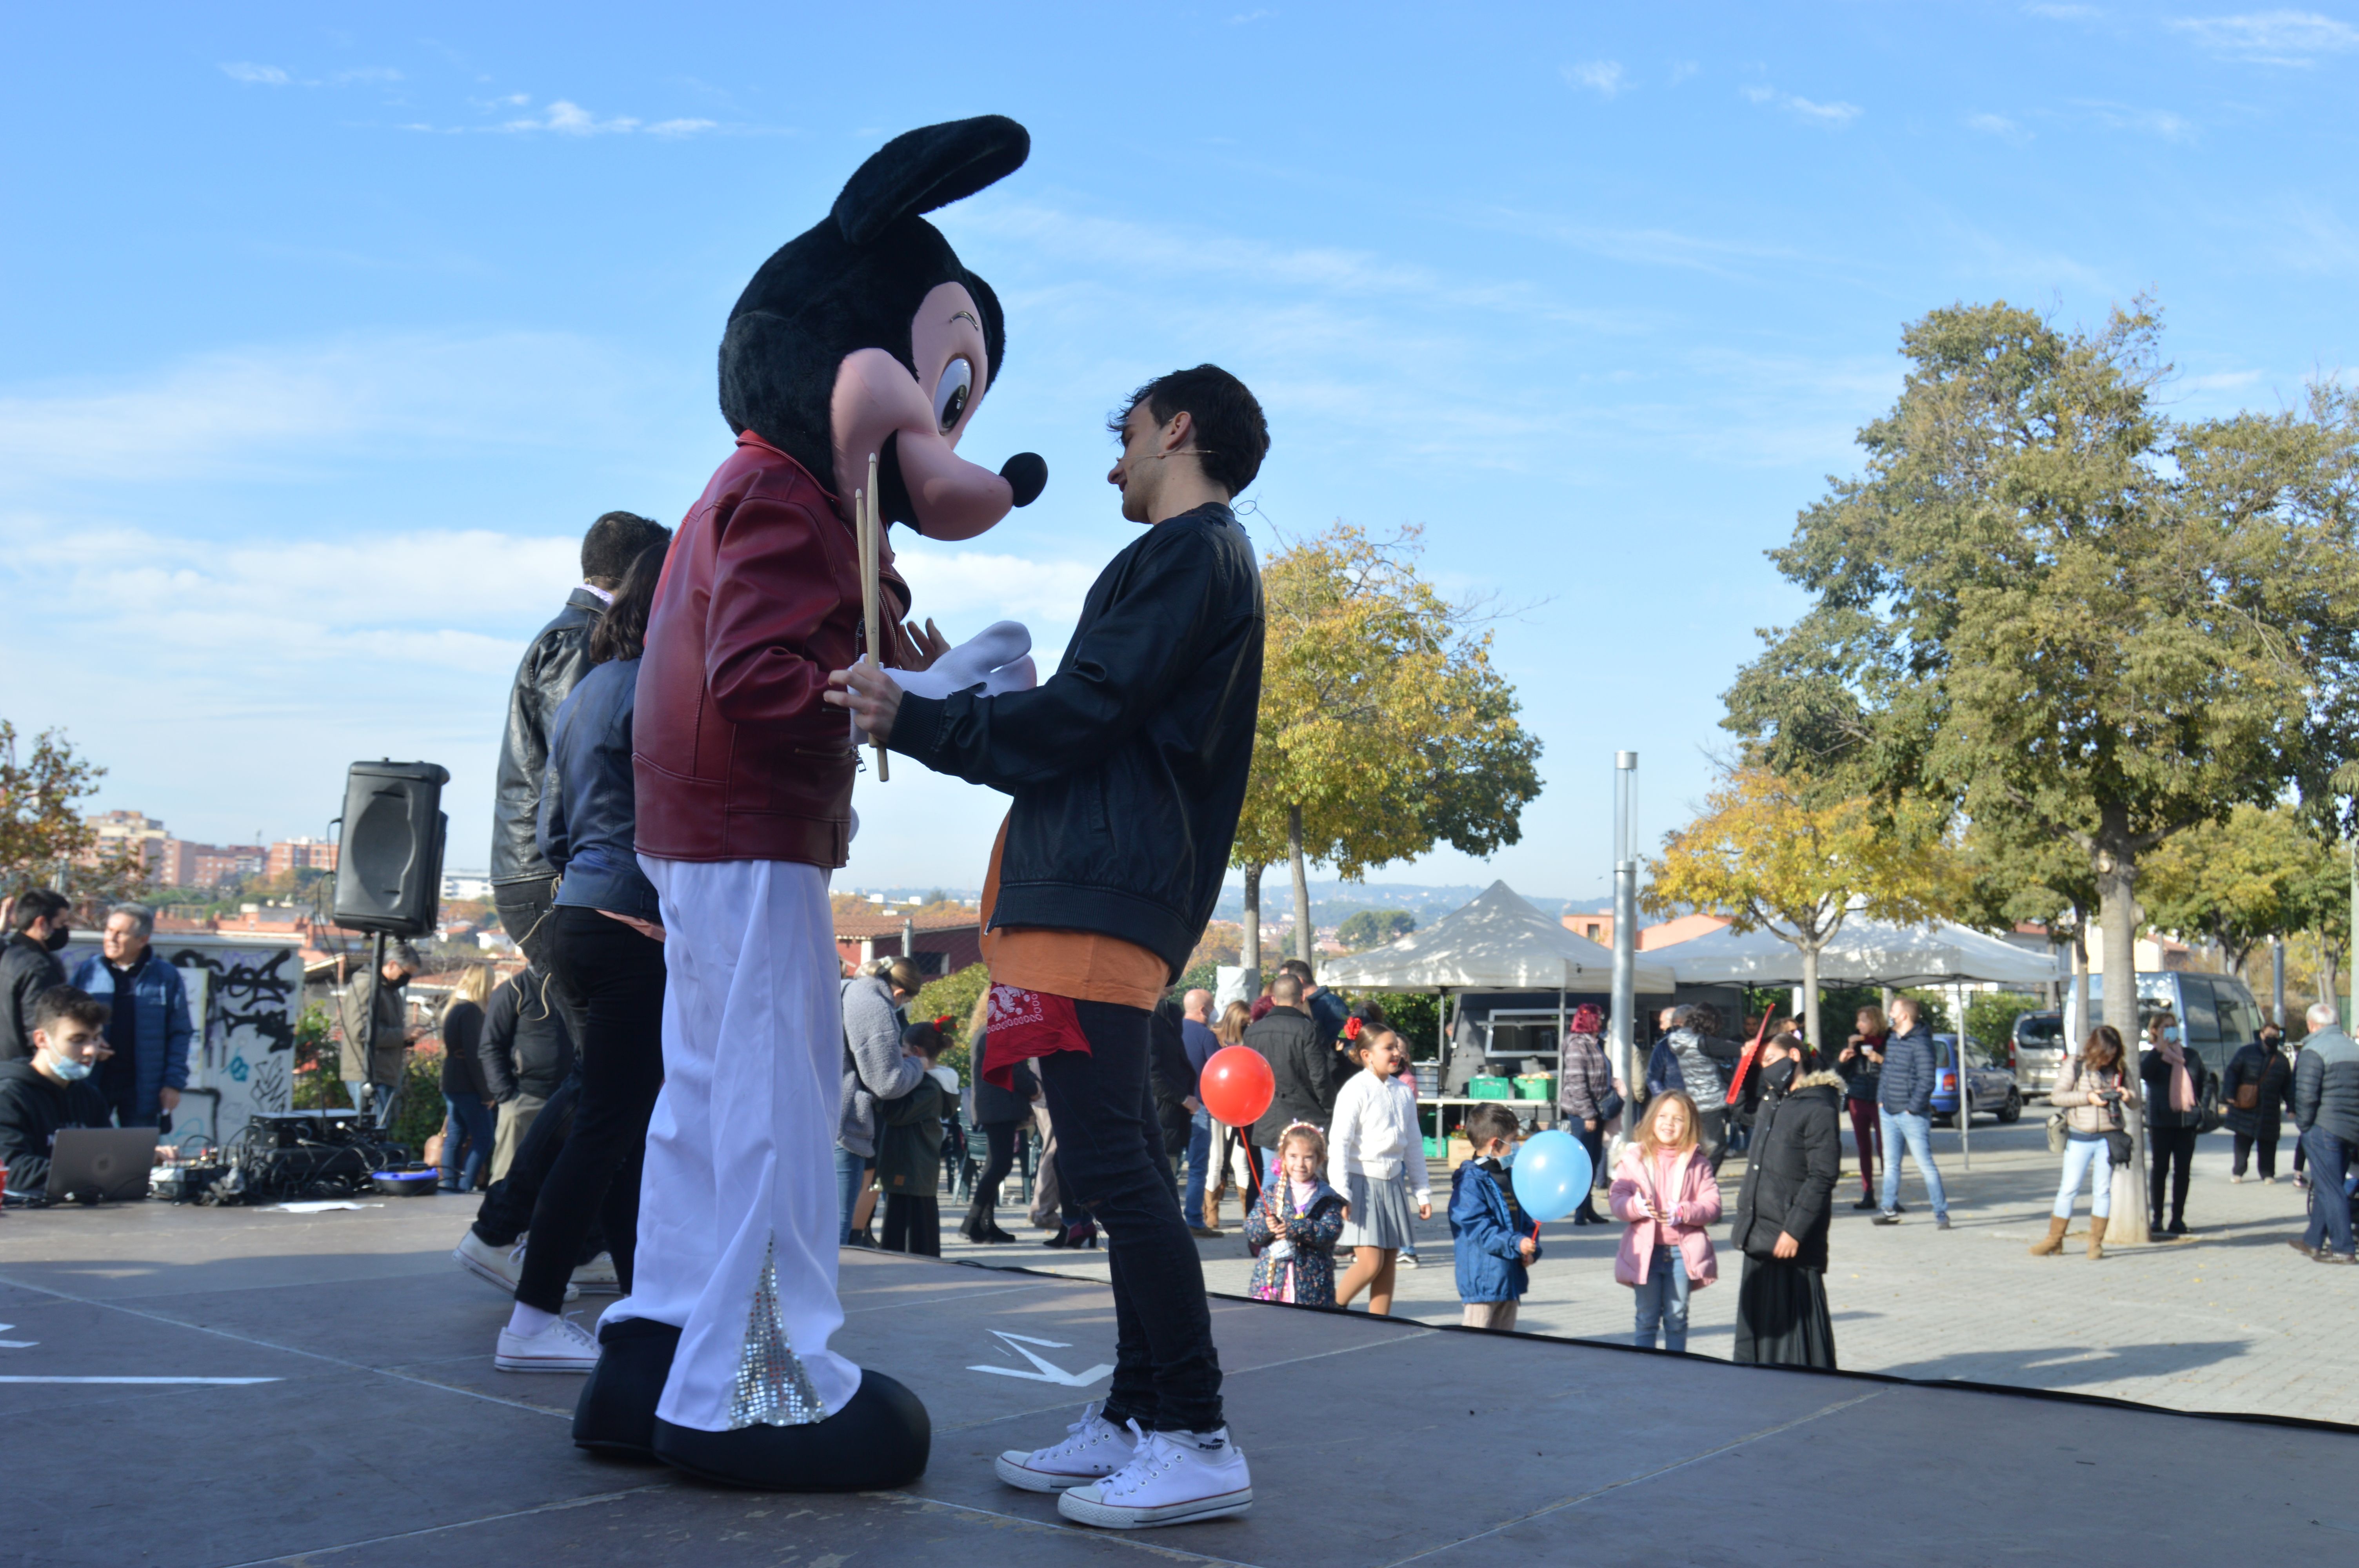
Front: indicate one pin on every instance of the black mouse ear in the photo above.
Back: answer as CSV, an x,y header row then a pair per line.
x,y
931,167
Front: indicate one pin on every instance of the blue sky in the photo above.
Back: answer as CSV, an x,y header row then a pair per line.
x,y
325,330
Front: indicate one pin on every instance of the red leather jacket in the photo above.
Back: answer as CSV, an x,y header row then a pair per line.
x,y
734,755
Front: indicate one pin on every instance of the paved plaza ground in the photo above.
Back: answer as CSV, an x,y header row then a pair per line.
x,y
2226,1319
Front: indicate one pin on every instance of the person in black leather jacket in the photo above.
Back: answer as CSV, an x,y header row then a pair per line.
x,y
1128,769
526,1051
555,662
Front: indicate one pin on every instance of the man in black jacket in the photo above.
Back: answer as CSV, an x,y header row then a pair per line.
x,y
374,1016
1305,1071
52,1088
2326,1111
1128,769
41,924
1783,1211
523,881
526,1051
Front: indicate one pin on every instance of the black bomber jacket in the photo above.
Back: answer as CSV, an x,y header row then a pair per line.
x,y
552,666
1127,765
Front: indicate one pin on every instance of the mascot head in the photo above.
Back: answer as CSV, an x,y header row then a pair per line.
x,y
864,334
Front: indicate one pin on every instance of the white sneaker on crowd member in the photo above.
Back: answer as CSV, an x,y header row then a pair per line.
x,y
597,1276
1407,1260
1173,1477
556,1345
1093,1449
502,1267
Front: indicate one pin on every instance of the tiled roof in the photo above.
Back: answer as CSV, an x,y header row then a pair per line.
x,y
856,928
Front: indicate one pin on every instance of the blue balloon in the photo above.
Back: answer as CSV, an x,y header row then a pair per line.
x,y
1551,1175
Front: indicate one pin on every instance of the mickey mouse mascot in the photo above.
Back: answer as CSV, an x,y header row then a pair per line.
x,y
863,335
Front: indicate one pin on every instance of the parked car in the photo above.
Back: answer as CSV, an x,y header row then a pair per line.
x,y
2039,1050
1993,1087
2216,1014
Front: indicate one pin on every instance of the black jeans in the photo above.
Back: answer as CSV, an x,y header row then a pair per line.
x,y
619,977
2169,1150
983,1211
913,1224
1592,1139
2269,1147
505,1212
1166,1375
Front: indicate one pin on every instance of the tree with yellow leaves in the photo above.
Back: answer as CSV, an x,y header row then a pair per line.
x,y
1384,727
1773,856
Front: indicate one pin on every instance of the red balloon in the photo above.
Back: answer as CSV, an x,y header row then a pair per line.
x,y
1236,1085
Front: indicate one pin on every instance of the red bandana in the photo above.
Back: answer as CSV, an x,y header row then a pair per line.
x,y
1021,1025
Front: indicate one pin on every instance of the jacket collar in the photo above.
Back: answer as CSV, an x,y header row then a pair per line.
x,y
748,438
582,598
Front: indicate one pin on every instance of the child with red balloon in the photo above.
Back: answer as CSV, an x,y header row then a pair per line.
x,y
1292,1230
1377,1158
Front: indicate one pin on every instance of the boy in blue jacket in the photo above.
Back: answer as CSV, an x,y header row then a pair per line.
x,y
1495,1243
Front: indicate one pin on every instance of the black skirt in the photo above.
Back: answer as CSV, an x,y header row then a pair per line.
x,y
1781,1315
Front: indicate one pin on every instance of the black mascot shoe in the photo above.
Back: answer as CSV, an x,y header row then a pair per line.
x,y
616,1412
878,1441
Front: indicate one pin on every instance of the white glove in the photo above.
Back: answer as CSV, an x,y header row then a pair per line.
x,y
1279,1250
998,658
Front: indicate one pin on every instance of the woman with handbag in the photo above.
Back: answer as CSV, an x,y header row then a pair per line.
x,y
2175,1079
2252,1092
2090,1131
1588,1096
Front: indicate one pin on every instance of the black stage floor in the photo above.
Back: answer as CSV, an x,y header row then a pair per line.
x,y
380,1433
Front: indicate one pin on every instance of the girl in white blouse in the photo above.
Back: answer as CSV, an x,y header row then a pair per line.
x,y
1376,1160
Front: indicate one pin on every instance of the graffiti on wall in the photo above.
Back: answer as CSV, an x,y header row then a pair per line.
x,y
243,1001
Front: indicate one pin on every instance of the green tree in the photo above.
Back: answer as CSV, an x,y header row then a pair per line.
x,y
2049,604
41,827
1772,858
1366,928
2241,881
1384,727
953,997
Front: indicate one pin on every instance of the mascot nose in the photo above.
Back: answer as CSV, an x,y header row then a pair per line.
x,y
1026,475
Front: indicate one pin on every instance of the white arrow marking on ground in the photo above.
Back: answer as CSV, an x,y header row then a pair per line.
x,y
14,1344
1048,1372
230,1383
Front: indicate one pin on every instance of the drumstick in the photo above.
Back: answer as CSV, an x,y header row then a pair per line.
x,y
871,525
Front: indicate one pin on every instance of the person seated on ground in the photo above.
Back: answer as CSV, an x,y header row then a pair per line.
x,y
51,1089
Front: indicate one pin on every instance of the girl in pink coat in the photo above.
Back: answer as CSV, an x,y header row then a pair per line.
x,y
1665,1194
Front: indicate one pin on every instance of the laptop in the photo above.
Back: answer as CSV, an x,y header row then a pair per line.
x,y
101,1165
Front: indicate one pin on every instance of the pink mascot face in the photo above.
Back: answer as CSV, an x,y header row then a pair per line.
x,y
877,400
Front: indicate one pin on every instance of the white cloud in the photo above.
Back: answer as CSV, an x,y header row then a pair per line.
x,y
567,118
368,73
2271,37
1998,125
2161,122
1603,77
254,75
1683,68
1834,114
284,410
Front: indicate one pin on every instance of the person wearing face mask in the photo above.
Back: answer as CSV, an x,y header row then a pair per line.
x,y
1783,1211
39,925
52,1088
2174,1077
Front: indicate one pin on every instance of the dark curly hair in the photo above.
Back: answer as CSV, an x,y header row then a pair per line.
x,y
621,632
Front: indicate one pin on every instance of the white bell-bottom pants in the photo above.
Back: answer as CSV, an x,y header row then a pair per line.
x,y
737,1208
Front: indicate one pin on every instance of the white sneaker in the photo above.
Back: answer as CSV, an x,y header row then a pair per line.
x,y
502,1267
1406,1260
1093,1448
1173,1477
2236,1178
597,1276
561,1346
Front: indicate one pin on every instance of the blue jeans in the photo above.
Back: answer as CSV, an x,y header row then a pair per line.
x,y
1916,1133
2087,1160
2330,1204
467,1120
849,1170
1663,1301
1200,1164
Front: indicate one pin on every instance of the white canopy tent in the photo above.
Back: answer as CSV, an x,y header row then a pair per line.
x,y
1497,942
1863,953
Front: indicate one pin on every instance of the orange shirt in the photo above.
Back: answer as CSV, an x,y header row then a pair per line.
x,y
1084,964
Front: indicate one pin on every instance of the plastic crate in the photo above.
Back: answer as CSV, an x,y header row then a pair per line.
x,y
1535,1087
1429,1078
1433,1148
1491,1089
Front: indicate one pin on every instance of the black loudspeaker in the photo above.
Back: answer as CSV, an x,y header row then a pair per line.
x,y
389,858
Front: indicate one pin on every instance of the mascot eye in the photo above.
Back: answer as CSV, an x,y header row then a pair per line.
x,y
951,397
